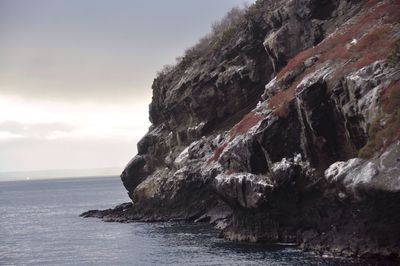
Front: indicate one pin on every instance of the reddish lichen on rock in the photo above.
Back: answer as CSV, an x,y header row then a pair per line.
x,y
248,121
295,61
217,152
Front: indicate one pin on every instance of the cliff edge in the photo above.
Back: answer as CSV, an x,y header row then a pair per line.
x,y
282,125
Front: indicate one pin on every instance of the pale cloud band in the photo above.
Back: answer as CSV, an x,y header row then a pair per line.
x,y
36,135
45,119
39,130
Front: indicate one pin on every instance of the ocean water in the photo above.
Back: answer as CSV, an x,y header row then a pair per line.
x,y
40,225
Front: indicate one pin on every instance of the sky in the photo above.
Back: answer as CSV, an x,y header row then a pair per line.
x,y
76,75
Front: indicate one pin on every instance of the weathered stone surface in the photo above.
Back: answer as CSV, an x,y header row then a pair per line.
x,y
358,175
297,22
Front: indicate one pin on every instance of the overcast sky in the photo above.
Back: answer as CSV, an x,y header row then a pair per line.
x,y
75,75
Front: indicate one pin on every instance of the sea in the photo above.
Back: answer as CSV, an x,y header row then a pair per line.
x,y
40,225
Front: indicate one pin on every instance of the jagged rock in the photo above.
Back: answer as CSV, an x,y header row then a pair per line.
x,y
252,191
278,48
243,189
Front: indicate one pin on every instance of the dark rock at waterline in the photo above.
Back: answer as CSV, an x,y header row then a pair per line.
x,y
117,214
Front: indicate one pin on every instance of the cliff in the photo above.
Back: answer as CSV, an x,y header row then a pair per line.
x,y
283,125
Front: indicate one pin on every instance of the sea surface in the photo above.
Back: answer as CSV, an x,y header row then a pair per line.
x,y
40,225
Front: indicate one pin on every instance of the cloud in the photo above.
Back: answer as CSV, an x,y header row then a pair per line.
x,y
23,154
56,120
34,130
12,127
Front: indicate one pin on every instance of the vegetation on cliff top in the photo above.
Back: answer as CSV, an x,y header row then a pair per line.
x,y
223,32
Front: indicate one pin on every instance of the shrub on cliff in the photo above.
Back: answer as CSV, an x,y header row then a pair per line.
x,y
394,57
223,32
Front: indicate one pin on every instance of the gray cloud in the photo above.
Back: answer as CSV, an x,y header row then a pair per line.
x,y
12,127
34,130
39,154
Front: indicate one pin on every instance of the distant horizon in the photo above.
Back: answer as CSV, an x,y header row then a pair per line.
x,y
59,169
59,173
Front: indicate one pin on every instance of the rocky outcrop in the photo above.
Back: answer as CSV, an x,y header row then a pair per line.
x,y
259,133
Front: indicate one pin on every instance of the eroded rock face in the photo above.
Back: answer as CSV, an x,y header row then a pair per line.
x,y
296,18
273,157
360,176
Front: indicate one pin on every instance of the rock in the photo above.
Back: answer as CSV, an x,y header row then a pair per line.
x,y
219,151
243,189
381,173
297,23
117,214
364,88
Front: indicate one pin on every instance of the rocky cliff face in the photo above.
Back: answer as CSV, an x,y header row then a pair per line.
x,y
284,128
